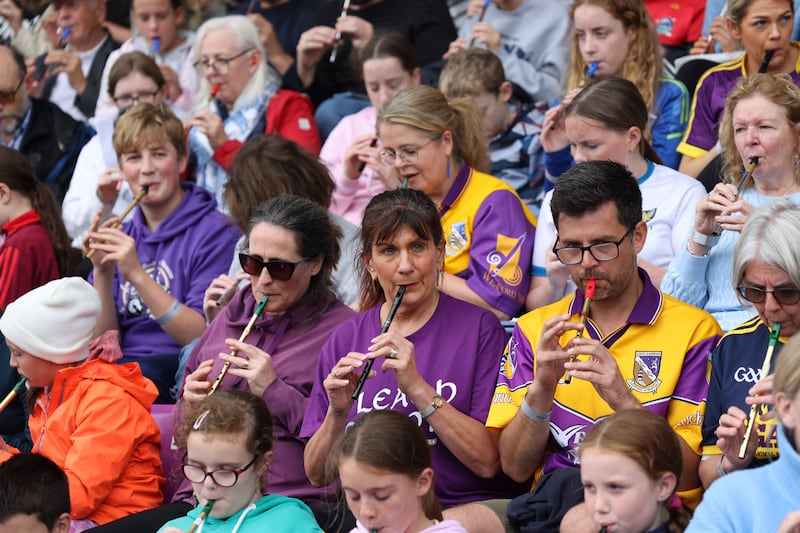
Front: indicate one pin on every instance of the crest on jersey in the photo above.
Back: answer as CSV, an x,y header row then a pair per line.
x,y
646,366
457,240
648,214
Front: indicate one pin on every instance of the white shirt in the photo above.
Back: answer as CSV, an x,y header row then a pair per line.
x,y
63,94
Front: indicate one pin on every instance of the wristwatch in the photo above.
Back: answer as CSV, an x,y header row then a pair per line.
x,y
437,402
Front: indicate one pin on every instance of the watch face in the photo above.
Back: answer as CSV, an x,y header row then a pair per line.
x,y
438,401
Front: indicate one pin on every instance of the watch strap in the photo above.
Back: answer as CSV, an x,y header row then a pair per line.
x,y
434,405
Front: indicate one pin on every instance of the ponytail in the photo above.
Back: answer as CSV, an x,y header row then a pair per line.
x,y
469,138
428,111
650,152
431,506
46,205
678,519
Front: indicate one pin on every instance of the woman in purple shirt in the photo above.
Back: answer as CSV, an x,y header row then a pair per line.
x,y
436,363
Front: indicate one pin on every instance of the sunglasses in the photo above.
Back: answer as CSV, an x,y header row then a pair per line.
x,y
278,270
787,296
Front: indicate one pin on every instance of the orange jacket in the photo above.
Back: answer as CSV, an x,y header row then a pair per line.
x,y
95,423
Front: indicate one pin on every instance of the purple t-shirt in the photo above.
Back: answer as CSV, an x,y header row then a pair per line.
x,y
458,353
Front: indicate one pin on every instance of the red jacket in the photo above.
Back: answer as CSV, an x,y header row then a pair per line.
x,y
95,423
27,259
290,115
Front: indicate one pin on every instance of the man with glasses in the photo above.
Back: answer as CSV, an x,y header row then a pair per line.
x,y
639,347
50,138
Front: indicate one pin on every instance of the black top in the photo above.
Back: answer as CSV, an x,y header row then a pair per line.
x,y
426,23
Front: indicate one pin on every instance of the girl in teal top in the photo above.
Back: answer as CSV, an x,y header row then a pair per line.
x,y
227,439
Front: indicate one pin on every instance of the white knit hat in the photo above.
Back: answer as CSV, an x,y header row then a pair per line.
x,y
55,321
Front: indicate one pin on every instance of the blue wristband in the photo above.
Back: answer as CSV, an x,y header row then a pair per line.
x,y
170,313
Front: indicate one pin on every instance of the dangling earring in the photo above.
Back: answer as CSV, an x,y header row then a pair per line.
x,y
448,169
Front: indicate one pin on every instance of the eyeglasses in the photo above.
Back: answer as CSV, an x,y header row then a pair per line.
x,y
220,65
601,251
785,296
8,97
224,477
279,270
125,100
407,155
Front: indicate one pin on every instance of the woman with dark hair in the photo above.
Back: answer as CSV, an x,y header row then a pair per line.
x,y
34,249
289,254
436,363
267,167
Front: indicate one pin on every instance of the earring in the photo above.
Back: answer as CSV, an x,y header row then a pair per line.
x,y
448,169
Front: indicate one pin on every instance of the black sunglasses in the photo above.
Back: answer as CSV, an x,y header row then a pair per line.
x,y
784,296
279,270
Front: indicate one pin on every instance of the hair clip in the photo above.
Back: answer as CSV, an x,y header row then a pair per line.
x,y
200,419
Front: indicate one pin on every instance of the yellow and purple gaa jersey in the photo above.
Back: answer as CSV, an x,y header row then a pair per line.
x,y
661,351
488,238
708,103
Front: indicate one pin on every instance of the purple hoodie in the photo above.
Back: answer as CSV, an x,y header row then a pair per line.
x,y
293,340
190,248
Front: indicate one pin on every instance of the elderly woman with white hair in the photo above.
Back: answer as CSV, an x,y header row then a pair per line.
x,y
240,100
766,273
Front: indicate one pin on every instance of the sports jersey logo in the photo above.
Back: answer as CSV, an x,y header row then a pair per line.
x,y
664,26
747,375
648,215
569,439
504,260
457,240
508,364
646,366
